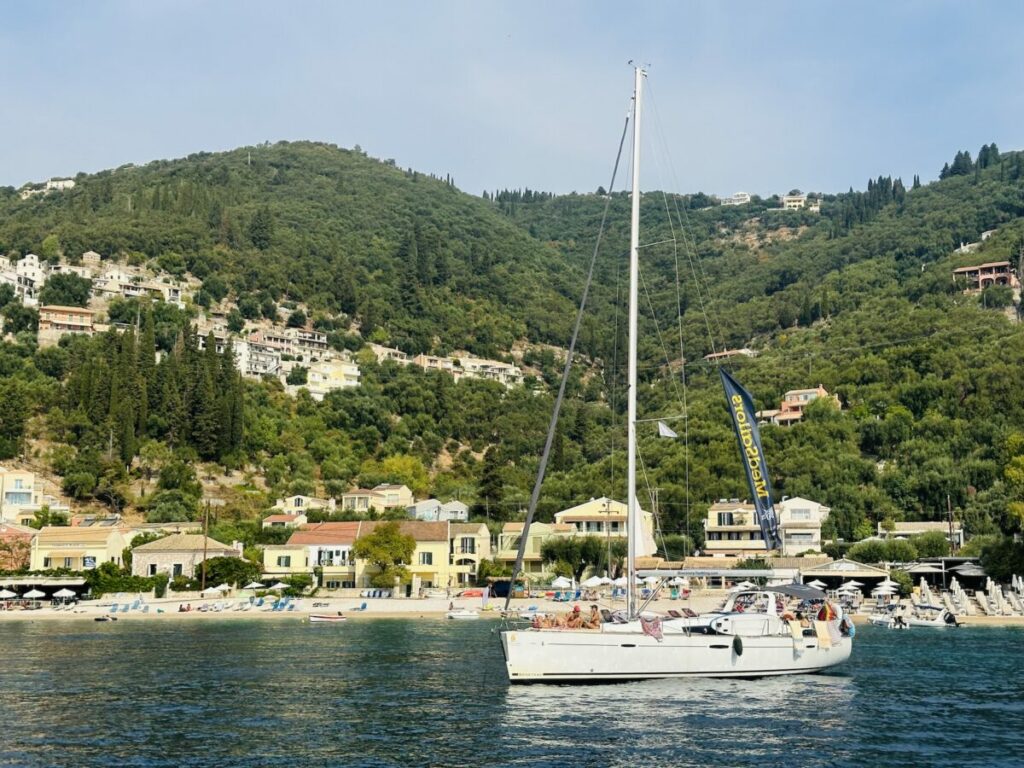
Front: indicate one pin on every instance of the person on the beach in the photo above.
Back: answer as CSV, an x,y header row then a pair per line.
x,y
593,621
575,619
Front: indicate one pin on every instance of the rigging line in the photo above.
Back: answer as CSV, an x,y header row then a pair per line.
x,y
553,425
688,243
657,328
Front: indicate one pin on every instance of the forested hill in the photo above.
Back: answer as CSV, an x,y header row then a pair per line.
x,y
859,298
330,227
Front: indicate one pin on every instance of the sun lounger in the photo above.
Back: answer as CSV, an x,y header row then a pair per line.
x,y
113,608
360,608
125,608
145,609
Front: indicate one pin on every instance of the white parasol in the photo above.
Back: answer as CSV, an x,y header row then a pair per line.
x,y
34,594
6,594
559,583
63,593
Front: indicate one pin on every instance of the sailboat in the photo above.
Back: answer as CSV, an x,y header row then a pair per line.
x,y
747,638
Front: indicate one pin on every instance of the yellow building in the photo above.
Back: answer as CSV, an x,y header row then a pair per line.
x,y
533,563
470,544
21,496
77,549
607,518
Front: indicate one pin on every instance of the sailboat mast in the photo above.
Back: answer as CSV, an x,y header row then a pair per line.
x,y
633,518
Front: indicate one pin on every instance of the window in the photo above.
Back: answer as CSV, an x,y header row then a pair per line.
x,y
152,569
67,562
333,584
800,514
725,518
47,563
18,485
615,526
426,558
284,561
298,502
800,537
176,569
468,545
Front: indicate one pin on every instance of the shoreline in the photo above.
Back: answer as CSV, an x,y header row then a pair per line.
x,y
392,608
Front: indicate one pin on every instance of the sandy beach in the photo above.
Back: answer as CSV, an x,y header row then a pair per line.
x,y
431,608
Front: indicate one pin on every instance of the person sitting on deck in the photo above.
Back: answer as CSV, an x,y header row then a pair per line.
x,y
593,621
575,619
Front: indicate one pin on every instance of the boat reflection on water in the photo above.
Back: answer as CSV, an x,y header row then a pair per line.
x,y
710,721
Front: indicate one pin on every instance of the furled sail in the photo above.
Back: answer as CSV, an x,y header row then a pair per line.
x,y
741,407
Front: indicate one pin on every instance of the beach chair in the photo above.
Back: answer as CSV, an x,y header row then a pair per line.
x,y
360,608
136,605
259,603
145,609
126,607
113,608
291,606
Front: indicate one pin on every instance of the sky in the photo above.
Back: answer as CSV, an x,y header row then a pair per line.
x,y
746,95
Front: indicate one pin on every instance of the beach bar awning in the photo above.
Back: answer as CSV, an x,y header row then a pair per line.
x,y
41,581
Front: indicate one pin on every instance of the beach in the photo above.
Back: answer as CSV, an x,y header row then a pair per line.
x,y
378,608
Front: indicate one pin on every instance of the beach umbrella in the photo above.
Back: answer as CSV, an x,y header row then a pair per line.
x,y
224,587
888,583
678,581
605,581
817,584
253,585
741,586
34,594
559,583
64,593
6,594
621,581
278,585
593,581
652,579
852,583
210,591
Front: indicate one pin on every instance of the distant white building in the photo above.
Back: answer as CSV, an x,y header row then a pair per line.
x,y
432,510
740,198
383,354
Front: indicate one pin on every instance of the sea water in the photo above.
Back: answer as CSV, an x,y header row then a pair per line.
x,y
419,692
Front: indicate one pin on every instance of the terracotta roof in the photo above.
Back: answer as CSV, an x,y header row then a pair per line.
x,y
15,528
466,527
279,518
184,542
60,533
420,530
325,533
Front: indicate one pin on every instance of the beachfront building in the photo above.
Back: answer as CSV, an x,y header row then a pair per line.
x,y
77,549
835,573
22,496
433,511
284,521
904,529
180,554
800,522
445,555
533,564
15,546
731,528
793,404
606,518
470,543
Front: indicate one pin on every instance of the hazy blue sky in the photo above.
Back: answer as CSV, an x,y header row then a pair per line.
x,y
758,96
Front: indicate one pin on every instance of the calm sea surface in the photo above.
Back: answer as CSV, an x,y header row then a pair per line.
x,y
416,692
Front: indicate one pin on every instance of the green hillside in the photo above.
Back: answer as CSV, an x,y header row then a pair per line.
x,y
859,298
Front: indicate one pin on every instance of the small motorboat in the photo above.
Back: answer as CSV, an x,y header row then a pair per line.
x,y
105,618
932,616
327,618
462,614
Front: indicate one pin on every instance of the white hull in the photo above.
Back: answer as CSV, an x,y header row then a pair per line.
x,y
462,615
533,655
326,619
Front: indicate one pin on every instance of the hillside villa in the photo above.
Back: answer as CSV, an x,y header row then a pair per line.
x,y
904,529
793,404
21,496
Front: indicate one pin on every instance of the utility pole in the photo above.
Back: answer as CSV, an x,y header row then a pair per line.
x,y
949,516
206,530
